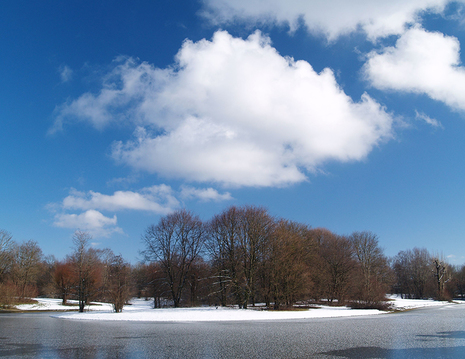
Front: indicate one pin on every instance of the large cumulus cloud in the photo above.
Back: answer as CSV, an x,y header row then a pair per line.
x,y
234,112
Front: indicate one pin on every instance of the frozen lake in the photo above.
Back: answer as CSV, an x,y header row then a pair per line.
x,y
422,333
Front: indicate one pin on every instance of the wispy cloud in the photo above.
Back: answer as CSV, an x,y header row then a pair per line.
x,y
430,121
123,181
204,194
66,73
234,112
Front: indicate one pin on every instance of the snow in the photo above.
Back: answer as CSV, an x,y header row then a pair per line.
x,y
404,304
141,310
49,304
207,314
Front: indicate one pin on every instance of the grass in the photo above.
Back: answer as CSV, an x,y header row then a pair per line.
x,y
17,301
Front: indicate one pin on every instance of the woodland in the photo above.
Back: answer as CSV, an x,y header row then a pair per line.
x,y
241,257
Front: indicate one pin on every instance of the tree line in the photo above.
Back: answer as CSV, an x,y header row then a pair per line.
x,y
87,274
242,256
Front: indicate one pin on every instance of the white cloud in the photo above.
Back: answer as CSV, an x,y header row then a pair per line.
x,y
421,62
157,199
331,17
66,73
204,194
112,103
430,121
91,221
234,112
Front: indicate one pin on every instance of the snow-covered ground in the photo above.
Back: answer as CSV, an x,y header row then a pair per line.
x,y
404,304
141,310
48,304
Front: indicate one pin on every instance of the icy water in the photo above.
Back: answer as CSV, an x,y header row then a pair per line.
x,y
423,333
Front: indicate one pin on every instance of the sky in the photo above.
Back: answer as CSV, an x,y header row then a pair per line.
x,y
336,114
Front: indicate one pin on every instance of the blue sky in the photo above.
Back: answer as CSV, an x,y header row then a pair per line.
x,y
342,115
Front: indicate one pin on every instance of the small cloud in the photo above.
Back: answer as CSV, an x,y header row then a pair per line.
x,y
430,121
66,73
122,181
91,221
181,25
204,194
158,199
421,62
53,207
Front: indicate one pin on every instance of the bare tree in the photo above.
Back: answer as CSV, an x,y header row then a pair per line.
x,y
199,282
64,279
401,266
27,260
421,271
413,272
459,281
319,273
45,281
87,266
374,269
224,248
149,282
175,242
6,258
81,242
441,274
337,254
237,239
285,270
256,230
119,288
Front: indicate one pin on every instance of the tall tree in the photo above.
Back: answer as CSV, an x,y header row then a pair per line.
x,y
285,270
256,229
81,242
87,267
45,281
441,275
319,273
6,255
337,254
413,272
27,260
175,242
237,239
373,266
64,279
459,281
224,249
119,286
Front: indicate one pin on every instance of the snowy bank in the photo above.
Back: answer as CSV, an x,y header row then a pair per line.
x,y
141,310
49,304
208,314
404,304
